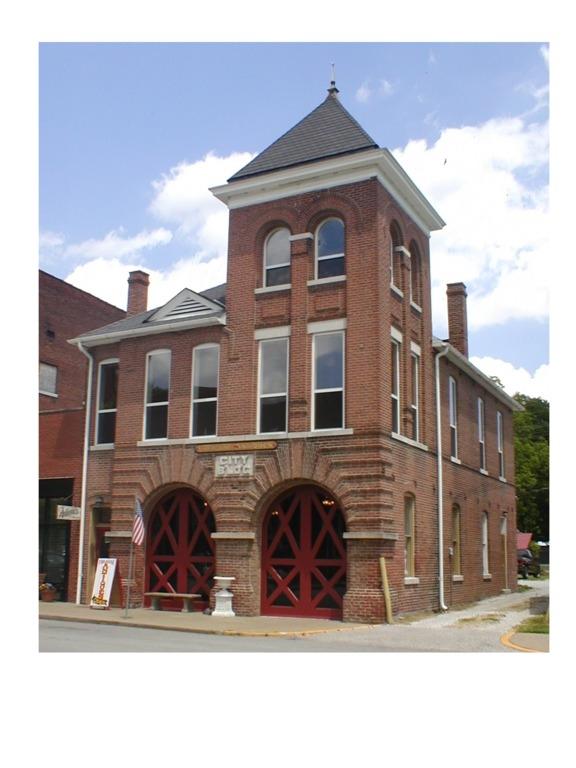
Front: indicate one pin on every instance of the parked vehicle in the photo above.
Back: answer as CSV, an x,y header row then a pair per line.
x,y
528,565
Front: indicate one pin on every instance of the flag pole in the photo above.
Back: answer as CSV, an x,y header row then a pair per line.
x,y
129,577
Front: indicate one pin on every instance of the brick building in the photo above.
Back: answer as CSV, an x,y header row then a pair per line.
x,y
282,429
64,311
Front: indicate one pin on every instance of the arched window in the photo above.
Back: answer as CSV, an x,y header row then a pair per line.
x,y
277,258
415,275
409,530
395,254
330,249
456,541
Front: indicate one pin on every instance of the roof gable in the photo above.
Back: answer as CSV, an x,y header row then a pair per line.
x,y
327,131
185,305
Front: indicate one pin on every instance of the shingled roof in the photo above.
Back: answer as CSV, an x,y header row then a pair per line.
x,y
327,131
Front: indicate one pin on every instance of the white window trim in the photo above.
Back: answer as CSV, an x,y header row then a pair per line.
x,y
272,394
480,412
332,255
500,439
152,405
328,326
277,332
396,249
453,411
109,361
44,391
396,344
273,288
326,280
204,399
276,266
485,546
410,553
415,406
341,333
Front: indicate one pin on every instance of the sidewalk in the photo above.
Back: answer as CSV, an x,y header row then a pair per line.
x,y
249,626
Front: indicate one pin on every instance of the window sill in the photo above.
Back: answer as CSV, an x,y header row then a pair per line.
x,y
397,291
487,576
416,307
457,578
454,460
484,472
155,441
408,580
47,394
273,288
102,447
245,438
326,280
502,479
409,441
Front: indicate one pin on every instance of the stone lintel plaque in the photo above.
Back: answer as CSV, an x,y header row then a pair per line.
x,y
240,447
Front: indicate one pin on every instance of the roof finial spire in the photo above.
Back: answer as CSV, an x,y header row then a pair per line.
x,y
333,90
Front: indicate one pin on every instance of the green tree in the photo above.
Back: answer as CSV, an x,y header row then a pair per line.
x,y
532,449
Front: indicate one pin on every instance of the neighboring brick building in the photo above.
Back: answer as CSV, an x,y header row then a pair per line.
x,y
282,429
64,311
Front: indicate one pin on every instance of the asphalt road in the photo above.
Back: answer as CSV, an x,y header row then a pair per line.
x,y
65,636
476,629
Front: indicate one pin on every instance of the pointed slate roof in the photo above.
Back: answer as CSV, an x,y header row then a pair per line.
x,y
327,131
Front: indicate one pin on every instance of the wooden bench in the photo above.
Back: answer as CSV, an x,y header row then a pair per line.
x,y
187,599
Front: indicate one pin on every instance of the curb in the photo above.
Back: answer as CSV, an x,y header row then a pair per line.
x,y
226,632
505,640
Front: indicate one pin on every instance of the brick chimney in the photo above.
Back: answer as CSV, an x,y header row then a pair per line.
x,y
138,283
457,317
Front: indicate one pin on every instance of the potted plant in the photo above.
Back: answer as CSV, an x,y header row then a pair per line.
x,y
48,592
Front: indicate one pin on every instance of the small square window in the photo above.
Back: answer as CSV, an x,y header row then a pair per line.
x,y
48,376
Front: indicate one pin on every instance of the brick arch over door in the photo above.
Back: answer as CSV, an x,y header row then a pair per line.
x,y
303,555
179,547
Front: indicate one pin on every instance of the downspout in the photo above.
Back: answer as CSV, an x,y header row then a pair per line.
x,y
443,606
84,472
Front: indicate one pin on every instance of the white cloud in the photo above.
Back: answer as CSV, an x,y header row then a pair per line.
x,y
382,89
517,380
115,245
183,199
107,278
485,181
545,53
363,93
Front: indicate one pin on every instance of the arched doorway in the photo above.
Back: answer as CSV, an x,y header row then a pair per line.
x,y
303,555
179,549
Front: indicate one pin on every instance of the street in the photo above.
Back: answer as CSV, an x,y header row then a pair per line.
x,y
476,629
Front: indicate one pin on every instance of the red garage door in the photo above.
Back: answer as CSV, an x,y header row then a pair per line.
x,y
179,550
303,555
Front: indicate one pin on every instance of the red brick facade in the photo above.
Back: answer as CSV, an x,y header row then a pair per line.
x,y
64,312
366,469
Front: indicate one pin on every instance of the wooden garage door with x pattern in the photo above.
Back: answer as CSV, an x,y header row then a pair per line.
x,y
303,556
179,550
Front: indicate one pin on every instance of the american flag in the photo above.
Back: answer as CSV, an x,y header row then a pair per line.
x,y
138,527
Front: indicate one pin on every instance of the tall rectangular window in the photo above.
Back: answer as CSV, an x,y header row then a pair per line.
x,y
456,541
48,376
409,527
157,394
453,409
415,393
500,436
205,390
395,384
485,552
481,430
107,402
329,380
273,385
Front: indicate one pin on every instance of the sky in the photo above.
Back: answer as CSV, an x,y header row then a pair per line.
x,y
133,135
